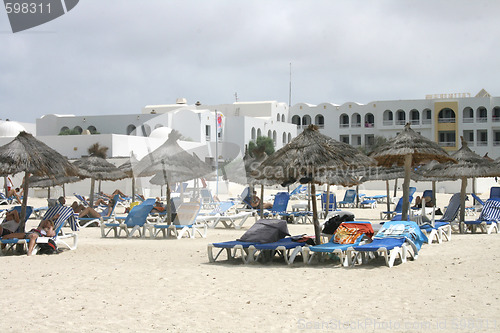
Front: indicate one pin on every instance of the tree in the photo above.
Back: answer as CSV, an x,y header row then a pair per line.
x,y
98,150
262,143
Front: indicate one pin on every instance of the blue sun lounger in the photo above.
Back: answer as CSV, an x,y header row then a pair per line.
x,y
394,240
335,248
286,248
488,220
232,249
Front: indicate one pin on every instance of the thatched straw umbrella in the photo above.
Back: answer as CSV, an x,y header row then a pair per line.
x,y
170,163
48,182
25,153
127,168
97,168
313,158
409,149
469,165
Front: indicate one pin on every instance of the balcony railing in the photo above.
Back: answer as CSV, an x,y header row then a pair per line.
x,y
468,120
446,120
496,143
388,122
415,122
356,125
481,120
343,125
495,119
482,143
426,121
447,144
401,122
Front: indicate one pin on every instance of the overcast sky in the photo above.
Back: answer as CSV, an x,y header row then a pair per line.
x,y
116,56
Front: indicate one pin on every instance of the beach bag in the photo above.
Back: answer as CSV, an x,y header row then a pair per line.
x,y
266,231
335,221
47,248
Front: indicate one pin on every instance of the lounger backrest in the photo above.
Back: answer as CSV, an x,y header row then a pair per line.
x,y
29,210
399,206
298,190
491,210
186,213
206,195
412,191
65,214
280,202
495,192
222,207
332,203
478,199
349,196
138,214
453,207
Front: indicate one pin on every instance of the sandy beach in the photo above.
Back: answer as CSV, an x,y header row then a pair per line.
x,y
141,285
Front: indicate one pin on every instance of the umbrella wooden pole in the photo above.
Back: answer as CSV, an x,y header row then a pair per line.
x,y
261,204
327,208
64,190
357,196
388,194
474,190
317,232
133,188
395,188
48,192
22,217
91,197
169,205
463,189
406,187
5,185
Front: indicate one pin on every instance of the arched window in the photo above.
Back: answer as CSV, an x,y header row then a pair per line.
x,y
369,120
296,120
306,120
446,115
282,118
468,115
78,129
427,116
92,129
289,137
278,117
130,129
319,121
259,132
414,117
388,118
252,135
496,114
269,134
284,138
64,129
344,120
356,120
274,137
482,115
400,117
145,129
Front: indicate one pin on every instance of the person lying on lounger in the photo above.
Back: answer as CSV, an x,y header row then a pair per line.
x,y
44,229
92,213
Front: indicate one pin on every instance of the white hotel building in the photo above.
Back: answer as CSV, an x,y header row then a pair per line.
x,y
442,118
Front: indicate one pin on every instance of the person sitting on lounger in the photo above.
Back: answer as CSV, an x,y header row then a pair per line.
x,y
44,229
158,207
10,223
111,196
16,193
255,202
418,202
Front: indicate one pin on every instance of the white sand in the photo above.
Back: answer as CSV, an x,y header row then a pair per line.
x,y
168,285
